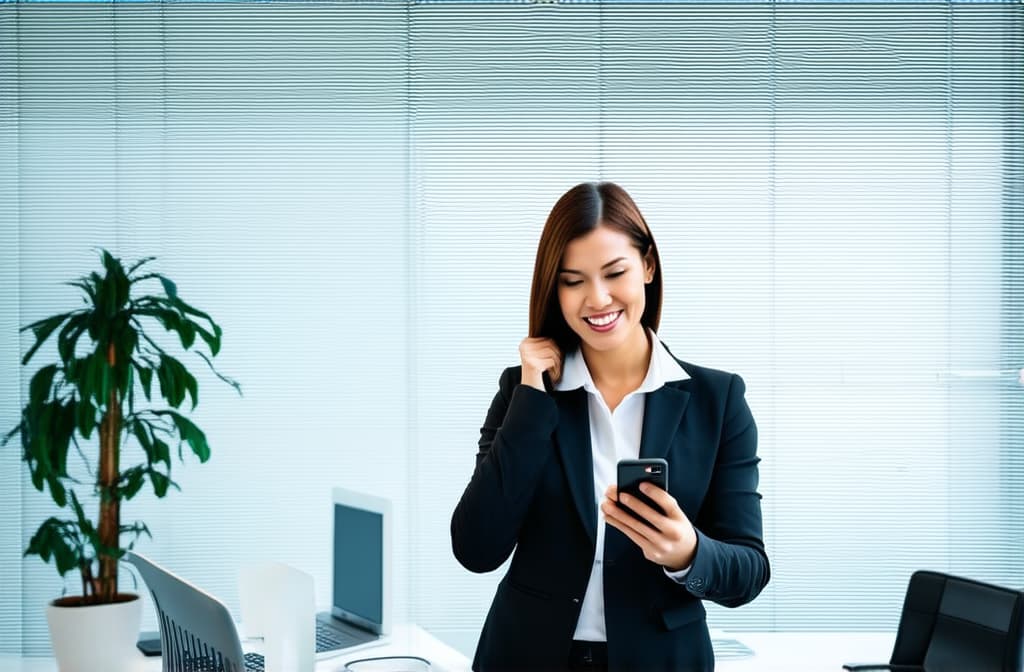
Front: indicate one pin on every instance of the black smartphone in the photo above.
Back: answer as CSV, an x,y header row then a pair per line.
x,y
149,643
631,473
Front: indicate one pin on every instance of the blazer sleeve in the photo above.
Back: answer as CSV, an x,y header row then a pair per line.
x,y
731,566
515,445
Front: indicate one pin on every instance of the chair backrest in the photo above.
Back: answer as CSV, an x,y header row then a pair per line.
x,y
197,633
952,623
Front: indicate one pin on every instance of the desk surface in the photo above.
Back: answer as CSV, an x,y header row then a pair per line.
x,y
807,651
405,640
773,651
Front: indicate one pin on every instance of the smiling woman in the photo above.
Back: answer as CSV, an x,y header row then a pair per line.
x,y
596,386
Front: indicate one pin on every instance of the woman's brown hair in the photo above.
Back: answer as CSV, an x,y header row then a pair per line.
x,y
579,211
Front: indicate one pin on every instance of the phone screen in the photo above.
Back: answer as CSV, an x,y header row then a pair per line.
x,y
631,473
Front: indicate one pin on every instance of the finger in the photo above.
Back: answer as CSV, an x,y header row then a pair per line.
x,y
612,492
542,361
645,511
642,542
613,511
553,361
666,501
661,523
552,352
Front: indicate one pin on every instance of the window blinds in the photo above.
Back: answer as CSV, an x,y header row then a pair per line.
x,y
356,190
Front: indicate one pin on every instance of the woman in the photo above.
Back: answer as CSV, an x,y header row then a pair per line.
x,y
578,594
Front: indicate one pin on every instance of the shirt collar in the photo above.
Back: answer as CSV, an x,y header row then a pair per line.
x,y
662,369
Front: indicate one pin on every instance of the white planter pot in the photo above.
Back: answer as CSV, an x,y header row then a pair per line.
x,y
94,638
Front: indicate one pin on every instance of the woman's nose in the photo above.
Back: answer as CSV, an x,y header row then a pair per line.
x,y
598,297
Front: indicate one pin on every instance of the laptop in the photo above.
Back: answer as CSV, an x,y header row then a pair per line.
x,y
360,614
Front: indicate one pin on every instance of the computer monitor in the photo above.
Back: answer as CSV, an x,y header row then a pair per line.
x,y
361,577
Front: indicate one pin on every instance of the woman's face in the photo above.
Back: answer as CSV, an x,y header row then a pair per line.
x,y
601,288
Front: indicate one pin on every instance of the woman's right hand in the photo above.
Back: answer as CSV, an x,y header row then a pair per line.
x,y
539,355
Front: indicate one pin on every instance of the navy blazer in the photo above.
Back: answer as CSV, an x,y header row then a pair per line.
x,y
532,492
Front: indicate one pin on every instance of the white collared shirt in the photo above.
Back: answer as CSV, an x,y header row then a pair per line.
x,y
614,436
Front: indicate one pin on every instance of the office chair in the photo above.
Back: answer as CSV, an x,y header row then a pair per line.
x,y
197,633
951,624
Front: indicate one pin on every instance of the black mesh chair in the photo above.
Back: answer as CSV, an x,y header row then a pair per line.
x,y
951,624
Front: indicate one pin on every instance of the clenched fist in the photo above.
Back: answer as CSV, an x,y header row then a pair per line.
x,y
540,355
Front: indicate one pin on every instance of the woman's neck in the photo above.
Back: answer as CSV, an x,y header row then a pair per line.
x,y
624,366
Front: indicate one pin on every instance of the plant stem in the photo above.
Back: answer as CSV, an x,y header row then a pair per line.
x,y
110,505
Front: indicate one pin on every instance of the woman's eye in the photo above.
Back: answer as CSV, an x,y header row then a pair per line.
x,y
572,283
615,274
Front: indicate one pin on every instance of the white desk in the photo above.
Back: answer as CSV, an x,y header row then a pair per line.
x,y
808,651
405,640
773,651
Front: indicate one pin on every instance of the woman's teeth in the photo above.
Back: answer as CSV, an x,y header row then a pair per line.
x,y
603,320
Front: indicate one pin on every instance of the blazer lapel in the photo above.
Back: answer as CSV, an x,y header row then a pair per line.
x,y
573,434
663,414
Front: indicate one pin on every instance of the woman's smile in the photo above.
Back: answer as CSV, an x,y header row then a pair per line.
x,y
604,321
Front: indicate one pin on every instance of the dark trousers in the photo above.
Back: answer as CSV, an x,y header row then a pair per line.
x,y
588,656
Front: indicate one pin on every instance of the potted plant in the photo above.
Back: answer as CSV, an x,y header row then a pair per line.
x,y
89,398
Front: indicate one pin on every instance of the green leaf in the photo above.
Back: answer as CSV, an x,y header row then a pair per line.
x,y
190,434
115,288
187,332
68,338
85,416
126,380
108,287
122,287
39,443
127,342
57,490
170,288
84,285
140,430
146,376
232,383
51,540
42,330
171,321
168,382
160,482
95,375
132,481
50,428
138,528
10,435
212,340
175,380
161,452
41,385
139,264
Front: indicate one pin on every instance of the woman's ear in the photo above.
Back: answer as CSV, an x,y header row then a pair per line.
x,y
649,267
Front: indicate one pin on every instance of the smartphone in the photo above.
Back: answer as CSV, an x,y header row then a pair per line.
x,y
631,473
149,643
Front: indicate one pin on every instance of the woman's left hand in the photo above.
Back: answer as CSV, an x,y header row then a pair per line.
x,y
672,542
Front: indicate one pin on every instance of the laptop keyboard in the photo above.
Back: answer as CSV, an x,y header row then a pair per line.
x,y
253,663
330,639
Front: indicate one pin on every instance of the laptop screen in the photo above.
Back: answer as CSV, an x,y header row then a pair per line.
x,y
358,563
